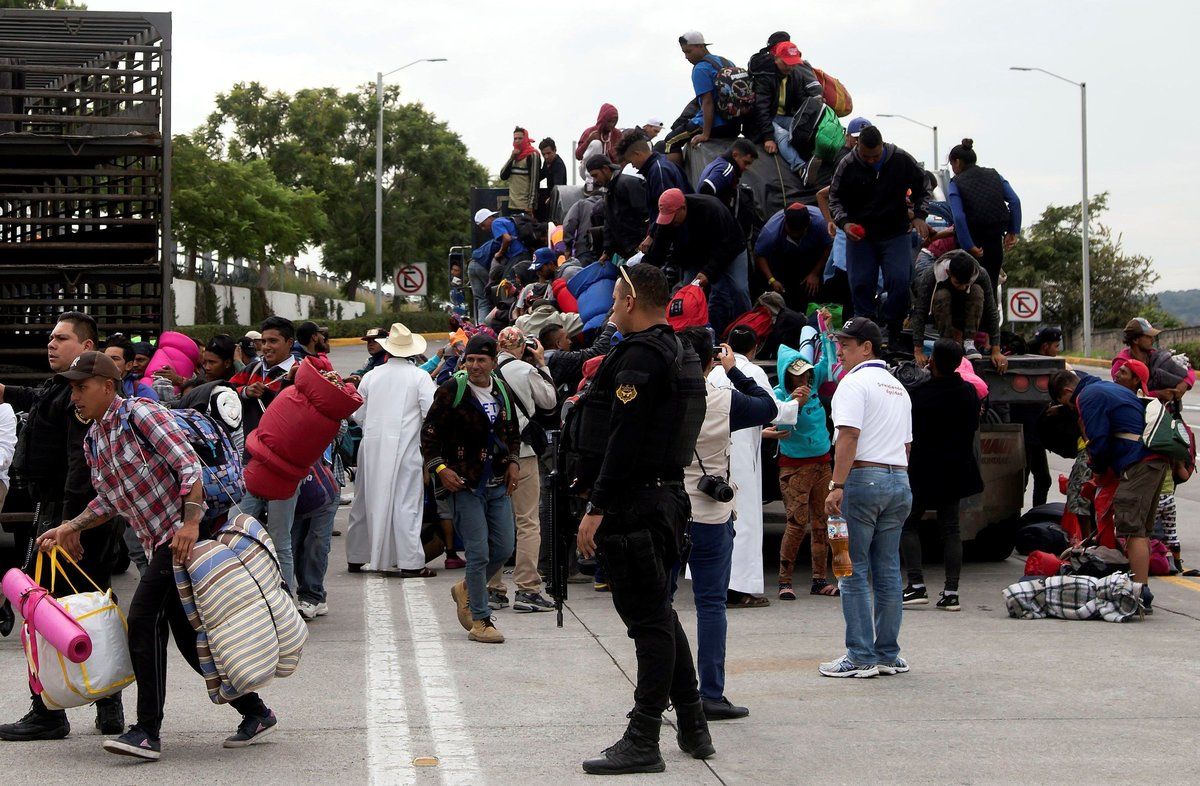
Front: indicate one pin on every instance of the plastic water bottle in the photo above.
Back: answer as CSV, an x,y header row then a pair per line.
x,y
839,542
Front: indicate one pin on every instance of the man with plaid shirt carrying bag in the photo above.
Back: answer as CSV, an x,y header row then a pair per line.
x,y
145,469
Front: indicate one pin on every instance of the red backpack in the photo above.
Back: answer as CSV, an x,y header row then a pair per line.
x,y
757,319
689,308
834,93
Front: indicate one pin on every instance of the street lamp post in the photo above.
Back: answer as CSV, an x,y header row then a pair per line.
x,y
936,162
1087,269
379,177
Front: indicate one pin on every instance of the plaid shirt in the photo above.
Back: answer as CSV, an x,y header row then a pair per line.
x,y
145,484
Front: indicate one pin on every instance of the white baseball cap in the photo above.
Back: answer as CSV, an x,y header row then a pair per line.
x,y
654,121
483,214
693,37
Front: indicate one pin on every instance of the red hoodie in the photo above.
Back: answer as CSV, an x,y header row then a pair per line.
x,y
607,112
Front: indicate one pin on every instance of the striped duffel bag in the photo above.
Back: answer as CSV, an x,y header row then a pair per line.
x,y
247,629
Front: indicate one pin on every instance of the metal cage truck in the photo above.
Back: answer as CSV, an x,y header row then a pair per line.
x,y
85,178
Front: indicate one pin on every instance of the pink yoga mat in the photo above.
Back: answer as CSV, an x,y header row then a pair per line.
x,y
46,616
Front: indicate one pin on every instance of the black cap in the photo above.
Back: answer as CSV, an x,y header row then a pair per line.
x,y
375,334
599,161
88,365
1047,335
481,345
862,329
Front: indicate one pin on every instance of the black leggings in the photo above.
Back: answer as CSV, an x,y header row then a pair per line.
x,y
910,544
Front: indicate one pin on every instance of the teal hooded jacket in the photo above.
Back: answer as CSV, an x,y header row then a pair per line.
x,y
809,437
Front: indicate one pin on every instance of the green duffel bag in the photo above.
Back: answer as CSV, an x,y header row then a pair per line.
x,y
830,137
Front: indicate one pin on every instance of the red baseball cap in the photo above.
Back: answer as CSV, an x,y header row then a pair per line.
x,y
787,52
670,203
1139,370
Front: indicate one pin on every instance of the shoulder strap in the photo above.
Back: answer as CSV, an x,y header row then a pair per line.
x,y
461,378
508,401
503,389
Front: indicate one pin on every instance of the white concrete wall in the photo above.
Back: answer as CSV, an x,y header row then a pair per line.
x,y
285,304
185,301
239,297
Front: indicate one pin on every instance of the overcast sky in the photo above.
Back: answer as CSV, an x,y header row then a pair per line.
x,y
548,66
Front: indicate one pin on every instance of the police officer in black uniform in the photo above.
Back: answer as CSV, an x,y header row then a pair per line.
x,y
49,458
637,429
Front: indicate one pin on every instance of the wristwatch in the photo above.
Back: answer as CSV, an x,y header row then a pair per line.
x,y
592,510
834,485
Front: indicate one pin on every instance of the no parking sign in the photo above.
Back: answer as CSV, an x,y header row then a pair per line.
x,y
413,279
1025,305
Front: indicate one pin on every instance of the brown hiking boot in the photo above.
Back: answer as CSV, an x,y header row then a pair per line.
x,y
461,600
484,631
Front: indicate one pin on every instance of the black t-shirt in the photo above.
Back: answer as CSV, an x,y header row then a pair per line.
x,y
708,241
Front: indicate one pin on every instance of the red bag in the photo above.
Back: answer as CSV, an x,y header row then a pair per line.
x,y
689,308
834,93
1042,563
758,319
566,301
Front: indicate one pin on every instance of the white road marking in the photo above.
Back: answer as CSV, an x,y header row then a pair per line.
x,y
452,740
389,752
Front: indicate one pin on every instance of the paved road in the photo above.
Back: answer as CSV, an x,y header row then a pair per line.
x,y
389,677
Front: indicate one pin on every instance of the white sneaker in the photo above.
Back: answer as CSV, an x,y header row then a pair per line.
x,y
970,352
308,610
322,609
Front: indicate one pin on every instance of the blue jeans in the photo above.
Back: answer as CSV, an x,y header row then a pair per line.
x,y
484,520
710,561
729,295
280,513
311,534
477,277
865,259
782,126
876,503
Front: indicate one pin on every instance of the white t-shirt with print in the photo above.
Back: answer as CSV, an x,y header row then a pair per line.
x,y
871,400
486,400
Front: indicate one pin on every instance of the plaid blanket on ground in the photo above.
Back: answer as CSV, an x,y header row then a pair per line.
x,y
1114,598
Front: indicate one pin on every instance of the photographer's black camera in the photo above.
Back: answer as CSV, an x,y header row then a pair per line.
x,y
716,487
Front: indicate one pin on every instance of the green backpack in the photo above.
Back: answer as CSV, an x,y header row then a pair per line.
x,y
460,377
830,136
1165,433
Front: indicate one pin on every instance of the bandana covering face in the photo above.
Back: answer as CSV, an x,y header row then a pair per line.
x,y
525,149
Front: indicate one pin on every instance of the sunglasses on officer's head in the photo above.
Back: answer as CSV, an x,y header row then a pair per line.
x,y
628,282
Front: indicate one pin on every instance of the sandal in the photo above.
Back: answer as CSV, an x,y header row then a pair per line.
x,y
748,602
405,573
786,592
823,587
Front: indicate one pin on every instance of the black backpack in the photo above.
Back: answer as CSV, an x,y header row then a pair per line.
x,y
530,232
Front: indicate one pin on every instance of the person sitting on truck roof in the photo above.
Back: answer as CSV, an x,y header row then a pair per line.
x,y
121,352
958,293
778,100
942,469
707,123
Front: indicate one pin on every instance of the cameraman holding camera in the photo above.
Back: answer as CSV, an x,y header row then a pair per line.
x,y
706,480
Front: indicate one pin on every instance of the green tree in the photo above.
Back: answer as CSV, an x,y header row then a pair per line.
x,y
239,209
324,139
1049,256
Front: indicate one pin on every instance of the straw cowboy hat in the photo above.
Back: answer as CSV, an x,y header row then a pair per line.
x,y
402,343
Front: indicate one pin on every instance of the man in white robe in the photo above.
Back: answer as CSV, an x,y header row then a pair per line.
x,y
746,575
384,532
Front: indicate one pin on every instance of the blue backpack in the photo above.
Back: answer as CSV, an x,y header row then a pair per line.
x,y
221,466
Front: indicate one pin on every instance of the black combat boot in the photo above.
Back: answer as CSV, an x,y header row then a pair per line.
x,y
110,715
636,751
39,723
693,736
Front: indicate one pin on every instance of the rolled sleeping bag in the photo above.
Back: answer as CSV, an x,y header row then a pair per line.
x,y
294,431
177,351
46,617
